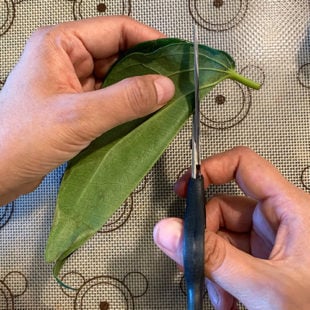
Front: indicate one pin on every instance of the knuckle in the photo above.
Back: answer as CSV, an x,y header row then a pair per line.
x,y
215,203
216,200
225,236
215,251
222,200
127,19
46,36
139,95
243,150
42,33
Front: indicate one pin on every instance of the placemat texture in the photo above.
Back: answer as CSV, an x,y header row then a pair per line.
x,y
120,267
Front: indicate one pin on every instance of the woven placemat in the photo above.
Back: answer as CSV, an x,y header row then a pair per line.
x,y
120,267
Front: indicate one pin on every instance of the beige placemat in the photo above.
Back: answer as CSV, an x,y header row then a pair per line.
x,y
121,268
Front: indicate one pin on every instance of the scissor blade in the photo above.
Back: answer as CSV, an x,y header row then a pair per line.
x,y
196,116
194,218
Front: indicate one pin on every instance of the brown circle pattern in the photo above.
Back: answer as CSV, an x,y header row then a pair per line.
x,y
218,3
226,105
17,282
255,73
218,15
6,297
101,7
73,279
305,178
105,292
212,15
85,8
303,75
182,285
7,18
229,103
6,213
119,218
12,286
137,282
142,184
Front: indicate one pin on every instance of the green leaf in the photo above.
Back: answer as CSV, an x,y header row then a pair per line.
x,y
101,177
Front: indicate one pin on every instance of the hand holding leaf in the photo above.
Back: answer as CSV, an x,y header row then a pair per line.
x,y
100,178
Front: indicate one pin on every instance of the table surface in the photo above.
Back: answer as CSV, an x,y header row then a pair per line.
x,y
120,267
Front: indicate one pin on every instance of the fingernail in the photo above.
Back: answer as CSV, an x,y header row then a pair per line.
x,y
167,235
213,294
164,88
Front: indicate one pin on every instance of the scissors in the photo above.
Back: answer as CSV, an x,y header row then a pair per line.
x,y
194,219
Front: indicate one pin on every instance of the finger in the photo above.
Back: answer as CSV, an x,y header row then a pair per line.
x,y
255,176
239,240
231,218
80,44
233,213
236,272
220,299
168,236
238,213
260,248
266,224
129,99
106,36
102,66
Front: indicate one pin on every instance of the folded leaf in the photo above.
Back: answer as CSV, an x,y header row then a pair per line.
x,y
100,178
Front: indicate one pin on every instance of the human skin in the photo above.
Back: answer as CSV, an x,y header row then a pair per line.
x,y
256,245
51,106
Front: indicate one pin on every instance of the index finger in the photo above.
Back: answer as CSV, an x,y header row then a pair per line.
x,y
106,36
256,177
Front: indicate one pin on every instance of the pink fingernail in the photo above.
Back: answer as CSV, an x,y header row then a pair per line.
x,y
213,294
168,234
165,89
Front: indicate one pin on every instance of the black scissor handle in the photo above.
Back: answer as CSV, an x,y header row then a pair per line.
x,y
193,244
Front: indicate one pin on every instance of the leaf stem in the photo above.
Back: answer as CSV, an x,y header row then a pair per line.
x,y
243,80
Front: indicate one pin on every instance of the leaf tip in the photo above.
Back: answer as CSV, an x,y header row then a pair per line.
x,y
56,269
62,284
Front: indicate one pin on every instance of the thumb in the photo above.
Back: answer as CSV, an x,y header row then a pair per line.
x,y
126,100
237,272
